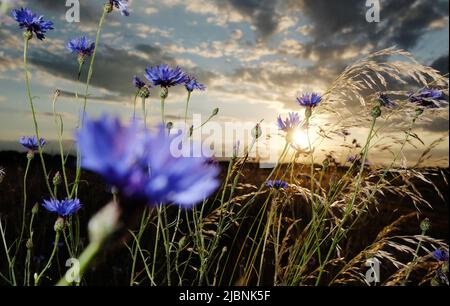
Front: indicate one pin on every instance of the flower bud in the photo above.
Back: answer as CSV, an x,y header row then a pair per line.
x,y
57,179
308,112
376,112
59,224
164,93
30,155
169,126
27,35
215,112
144,92
425,225
108,8
81,58
35,209
257,131
419,111
182,242
29,244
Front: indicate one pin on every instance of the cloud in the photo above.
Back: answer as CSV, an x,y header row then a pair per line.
x,y
441,64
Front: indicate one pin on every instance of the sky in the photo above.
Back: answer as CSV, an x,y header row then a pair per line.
x,y
254,56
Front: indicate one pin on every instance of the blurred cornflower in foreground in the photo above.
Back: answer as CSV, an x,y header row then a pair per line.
x,y
32,23
31,143
165,76
191,84
428,98
121,5
63,208
441,255
81,46
140,164
277,184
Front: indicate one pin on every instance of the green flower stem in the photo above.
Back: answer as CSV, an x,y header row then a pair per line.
x,y
49,263
86,93
163,118
24,208
85,259
187,106
134,105
30,99
144,112
12,273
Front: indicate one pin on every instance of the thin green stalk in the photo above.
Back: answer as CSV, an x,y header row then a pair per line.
x,y
49,263
12,274
33,112
187,106
24,208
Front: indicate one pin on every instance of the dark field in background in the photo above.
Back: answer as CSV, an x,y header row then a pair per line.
x,y
114,269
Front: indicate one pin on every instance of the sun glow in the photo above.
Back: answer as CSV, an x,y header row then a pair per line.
x,y
300,139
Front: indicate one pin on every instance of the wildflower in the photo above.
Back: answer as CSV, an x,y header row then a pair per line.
x,y
121,5
81,46
440,255
31,23
257,131
165,76
291,123
191,84
277,184
428,98
309,99
63,208
143,89
31,143
137,82
140,163
384,100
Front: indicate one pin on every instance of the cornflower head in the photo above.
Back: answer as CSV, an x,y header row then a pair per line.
x,y
31,143
82,47
277,184
31,23
289,125
309,100
121,5
440,255
140,164
165,76
142,87
191,84
428,98
63,208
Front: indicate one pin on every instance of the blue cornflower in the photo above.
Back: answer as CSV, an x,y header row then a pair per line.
x,y
31,143
290,124
309,99
121,5
141,164
384,100
440,255
137,82
428,98
81,46
31,22
277,184
191,84
165,76
63,208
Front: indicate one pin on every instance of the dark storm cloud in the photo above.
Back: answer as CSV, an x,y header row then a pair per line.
x,y
113,68
340,24
441,64
437,125
262,13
